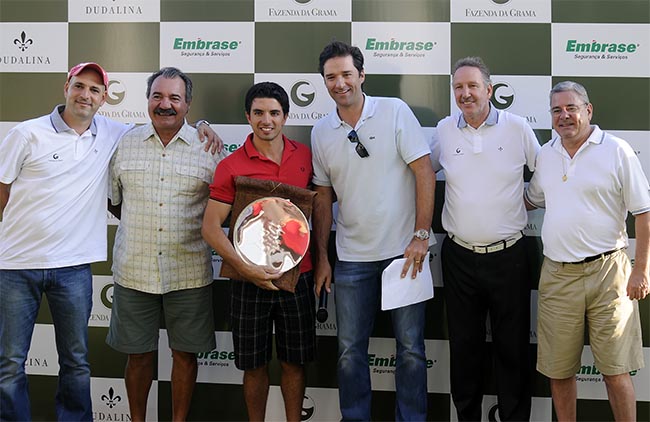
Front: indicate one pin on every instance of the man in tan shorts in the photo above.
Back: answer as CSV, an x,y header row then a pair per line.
x,y
588,180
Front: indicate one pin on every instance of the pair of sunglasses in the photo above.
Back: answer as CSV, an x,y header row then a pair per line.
x,y
359,148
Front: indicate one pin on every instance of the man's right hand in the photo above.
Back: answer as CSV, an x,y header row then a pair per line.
x,y
258,276
322,276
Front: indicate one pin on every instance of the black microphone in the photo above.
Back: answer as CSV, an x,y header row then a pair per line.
x,y
321,314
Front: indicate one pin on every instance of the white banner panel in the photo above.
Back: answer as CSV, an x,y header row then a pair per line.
x,y
601,50
34,47
215,366
42,358
592,386
113,10
110,402
303,10
126,98
501,11
319,404
100,314
418,48
309,100
208,47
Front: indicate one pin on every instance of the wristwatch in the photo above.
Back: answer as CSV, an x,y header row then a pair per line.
x,y
421,234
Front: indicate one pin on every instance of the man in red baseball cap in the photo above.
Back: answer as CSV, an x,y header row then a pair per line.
x,y
53,198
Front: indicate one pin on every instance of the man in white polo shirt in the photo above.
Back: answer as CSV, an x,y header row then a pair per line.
x,y
370,153
588,180
483,152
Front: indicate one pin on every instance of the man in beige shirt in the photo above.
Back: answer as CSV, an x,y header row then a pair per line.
x,y
161,264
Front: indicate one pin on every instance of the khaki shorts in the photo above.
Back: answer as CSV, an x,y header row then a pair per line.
x,y
595,291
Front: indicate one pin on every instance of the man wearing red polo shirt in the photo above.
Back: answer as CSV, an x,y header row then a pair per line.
x,y
256,303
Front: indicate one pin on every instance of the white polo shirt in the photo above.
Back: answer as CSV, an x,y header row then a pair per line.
x,y
56,214
376,195
484,175
585,214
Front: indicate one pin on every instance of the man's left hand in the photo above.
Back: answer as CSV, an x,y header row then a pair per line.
x,y
415,254
637,285
206,133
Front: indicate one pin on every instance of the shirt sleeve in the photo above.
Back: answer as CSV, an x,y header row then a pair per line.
x,y
321,175
222,188
14,151
115,188
411,141
434,144
531,146
636,191
534,193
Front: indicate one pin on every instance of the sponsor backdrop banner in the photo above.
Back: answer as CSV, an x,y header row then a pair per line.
x,y
409,46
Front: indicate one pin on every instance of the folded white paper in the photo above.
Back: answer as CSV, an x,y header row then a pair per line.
x,y
397,292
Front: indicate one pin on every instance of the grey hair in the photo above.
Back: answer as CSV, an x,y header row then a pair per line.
x,y
565,86
171,73
476,62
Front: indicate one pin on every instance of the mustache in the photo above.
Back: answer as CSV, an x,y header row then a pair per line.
x,y
165,111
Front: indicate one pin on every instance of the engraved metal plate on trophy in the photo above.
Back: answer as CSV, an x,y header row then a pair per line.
x,y
273,233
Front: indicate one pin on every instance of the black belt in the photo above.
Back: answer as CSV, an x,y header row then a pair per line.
x,y
595,257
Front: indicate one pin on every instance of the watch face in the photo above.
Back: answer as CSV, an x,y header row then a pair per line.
x,y
273,233
422,234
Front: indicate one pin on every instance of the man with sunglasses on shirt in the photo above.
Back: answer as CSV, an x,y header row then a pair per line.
x,y
371,155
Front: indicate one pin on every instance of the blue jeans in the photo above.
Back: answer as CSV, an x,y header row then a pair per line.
x,y
358,294
69,295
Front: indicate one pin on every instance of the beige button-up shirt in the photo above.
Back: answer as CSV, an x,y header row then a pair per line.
x,y
164,192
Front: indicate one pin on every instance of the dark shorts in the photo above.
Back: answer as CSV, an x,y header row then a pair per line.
x,y
136,316
255,310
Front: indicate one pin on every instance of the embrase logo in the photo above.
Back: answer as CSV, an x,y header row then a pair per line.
x,y
23,42
503,96
116,92
299,96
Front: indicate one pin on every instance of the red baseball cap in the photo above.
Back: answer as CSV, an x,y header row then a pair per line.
x,y
89,65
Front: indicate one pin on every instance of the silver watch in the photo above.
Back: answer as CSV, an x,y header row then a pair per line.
x,y
421,234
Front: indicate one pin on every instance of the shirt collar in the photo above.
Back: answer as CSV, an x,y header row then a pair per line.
x,y
56,118
186,133
597,136
252,152
369,108
492,119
